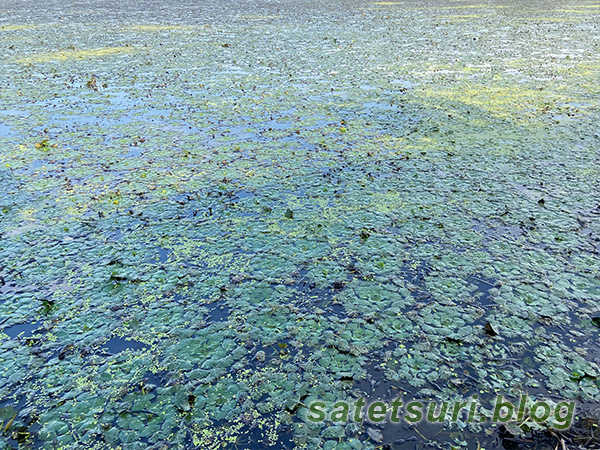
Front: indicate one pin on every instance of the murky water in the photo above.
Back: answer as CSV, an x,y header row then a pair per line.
x,y
212,214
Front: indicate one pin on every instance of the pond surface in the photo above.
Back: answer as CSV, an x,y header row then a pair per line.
x,y
214,213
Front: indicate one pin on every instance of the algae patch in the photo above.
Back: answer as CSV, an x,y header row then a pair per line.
x,y
75,55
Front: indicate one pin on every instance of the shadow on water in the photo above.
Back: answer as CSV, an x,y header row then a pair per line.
x,y
376,387
426,434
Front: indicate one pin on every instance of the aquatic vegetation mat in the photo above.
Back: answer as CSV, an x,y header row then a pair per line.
x,y
212,214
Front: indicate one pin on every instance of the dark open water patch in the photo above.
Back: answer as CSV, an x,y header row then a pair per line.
x,y
415,276
242,195
218,312
117,345
163,255
21,330
153,379
483,285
